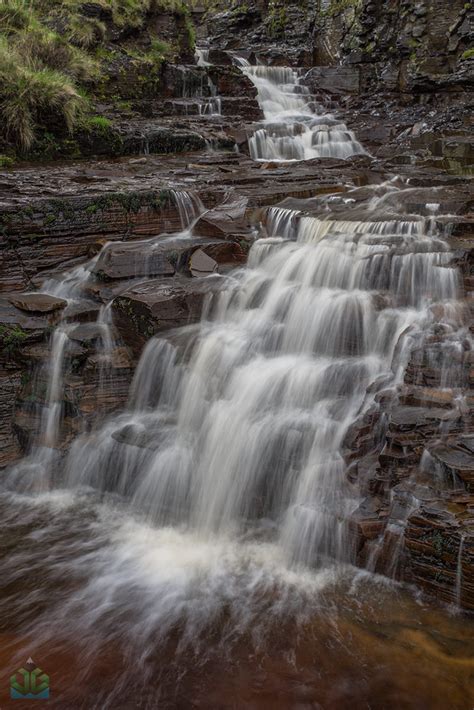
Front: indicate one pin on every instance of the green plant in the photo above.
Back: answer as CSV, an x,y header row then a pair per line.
x,y
14,15
99,124
160,47
6,161
86,31
468,54
11,338
277,18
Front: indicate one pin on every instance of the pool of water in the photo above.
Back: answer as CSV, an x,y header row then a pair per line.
x,y
123,615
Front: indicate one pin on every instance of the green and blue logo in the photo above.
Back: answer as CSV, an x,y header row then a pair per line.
x,y
29,683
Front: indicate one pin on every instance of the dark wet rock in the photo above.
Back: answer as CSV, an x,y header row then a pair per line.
x,y
94,386
161,257
10,385
433,540
133,435
335,80
201,264
86,334
81,311
45,233
19,328
224,220
160,139
120,261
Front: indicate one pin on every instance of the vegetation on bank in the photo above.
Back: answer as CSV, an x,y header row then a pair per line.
x,y
57,58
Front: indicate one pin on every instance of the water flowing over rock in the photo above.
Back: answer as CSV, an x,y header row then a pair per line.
x,y
292,129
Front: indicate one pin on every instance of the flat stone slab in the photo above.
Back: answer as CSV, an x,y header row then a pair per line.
x,y
201,264
37,302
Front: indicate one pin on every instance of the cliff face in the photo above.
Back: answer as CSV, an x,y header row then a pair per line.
x,y
398,45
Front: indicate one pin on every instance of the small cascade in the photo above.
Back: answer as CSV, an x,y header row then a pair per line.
x,y
386,553
52,417
459,573
200,87
202,57
292,130
71,284
213,105
107,344
189,207
35,471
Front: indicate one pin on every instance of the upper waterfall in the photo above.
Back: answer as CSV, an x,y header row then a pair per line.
x,y
293,130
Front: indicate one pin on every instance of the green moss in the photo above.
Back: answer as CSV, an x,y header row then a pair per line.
x,y
11,339
25,378
160,47
6,161
336,7
97,124
468,54
438,543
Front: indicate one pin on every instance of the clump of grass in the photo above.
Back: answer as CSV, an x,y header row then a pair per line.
x,y
50,50
85,32
97,124
14,15
158,46
29,93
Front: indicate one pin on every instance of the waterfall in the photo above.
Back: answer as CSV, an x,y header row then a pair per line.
x,y
292,130
52,417
202,57
249,426
198,85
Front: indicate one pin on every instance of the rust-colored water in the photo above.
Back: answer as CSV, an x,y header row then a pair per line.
x,y
360,643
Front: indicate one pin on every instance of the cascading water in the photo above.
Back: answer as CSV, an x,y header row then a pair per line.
x,y
292,130
202,57
200,88
189,207
251,429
